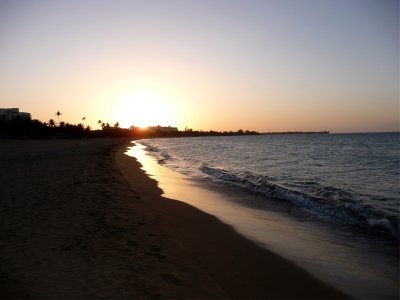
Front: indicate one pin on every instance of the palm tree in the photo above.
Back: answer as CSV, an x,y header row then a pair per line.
x,y
51,123
58,114
99,122
116,125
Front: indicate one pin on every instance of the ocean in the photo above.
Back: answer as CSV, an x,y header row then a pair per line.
x,y
328,202
349,178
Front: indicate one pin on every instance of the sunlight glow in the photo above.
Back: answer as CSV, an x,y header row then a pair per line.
x,y
144,108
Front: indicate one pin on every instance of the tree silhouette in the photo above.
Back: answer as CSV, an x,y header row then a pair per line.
x,y
116,125
52,123
100,123
58,114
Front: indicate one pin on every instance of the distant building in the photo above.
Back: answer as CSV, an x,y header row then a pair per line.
x,y
7,114
163,129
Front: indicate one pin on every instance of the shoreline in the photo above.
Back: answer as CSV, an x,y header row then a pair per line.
x,y
240,266
80,219
344,258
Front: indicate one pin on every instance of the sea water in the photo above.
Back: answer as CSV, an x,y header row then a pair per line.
x,y
351,178
330,202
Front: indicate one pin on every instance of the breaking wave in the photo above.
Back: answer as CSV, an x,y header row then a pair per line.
x,y
325,202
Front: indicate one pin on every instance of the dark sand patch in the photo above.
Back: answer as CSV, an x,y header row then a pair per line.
x,y
73,226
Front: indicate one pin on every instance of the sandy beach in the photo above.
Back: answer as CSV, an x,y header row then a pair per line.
x,y
80,219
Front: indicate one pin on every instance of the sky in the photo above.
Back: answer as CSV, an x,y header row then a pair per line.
x,y
268,65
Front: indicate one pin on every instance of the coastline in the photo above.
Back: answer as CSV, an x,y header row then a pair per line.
x,y
361,263
80,219
238,265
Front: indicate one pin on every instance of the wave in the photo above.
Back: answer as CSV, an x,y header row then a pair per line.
x,y
150,148
329,203
324,202
162,156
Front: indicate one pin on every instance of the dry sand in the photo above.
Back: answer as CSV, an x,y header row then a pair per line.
x,y
79,219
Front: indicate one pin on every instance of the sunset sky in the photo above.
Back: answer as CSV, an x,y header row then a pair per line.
x,y
259,65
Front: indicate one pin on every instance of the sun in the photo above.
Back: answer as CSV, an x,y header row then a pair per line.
x,y
144,109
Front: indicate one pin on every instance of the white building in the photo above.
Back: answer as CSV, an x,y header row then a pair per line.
x,y
7,114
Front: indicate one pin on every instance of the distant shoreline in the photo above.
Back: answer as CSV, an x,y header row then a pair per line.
x,y
295,132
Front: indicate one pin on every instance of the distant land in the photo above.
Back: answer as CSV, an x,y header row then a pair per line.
x,y
297,132
16,124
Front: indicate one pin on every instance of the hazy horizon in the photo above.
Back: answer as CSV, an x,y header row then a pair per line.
x,y
305,65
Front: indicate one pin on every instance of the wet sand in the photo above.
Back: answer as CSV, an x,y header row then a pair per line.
x,y
80,219
363,265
